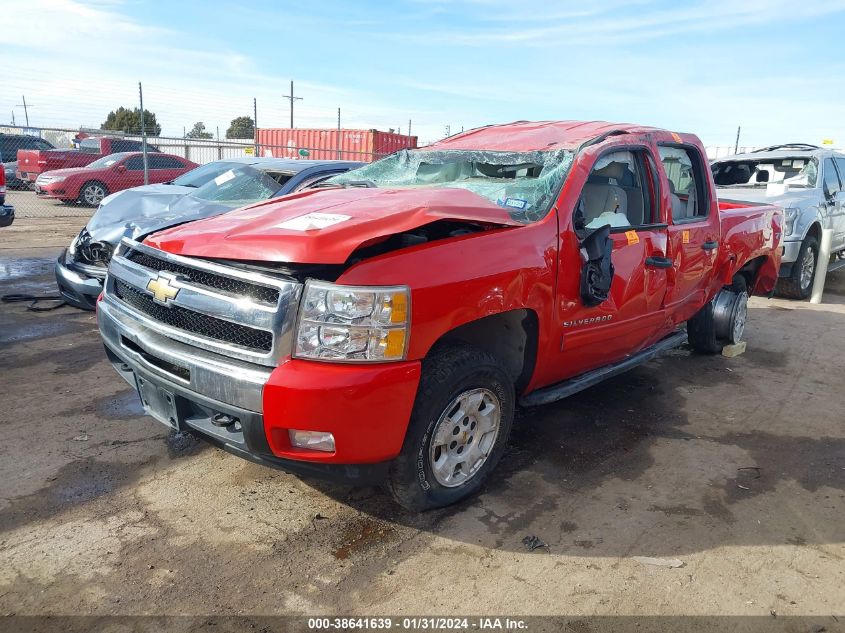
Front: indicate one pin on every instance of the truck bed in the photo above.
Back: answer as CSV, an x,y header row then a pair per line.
x,y
751,230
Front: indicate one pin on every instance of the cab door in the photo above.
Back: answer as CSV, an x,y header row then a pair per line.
x,y
622,191
835,199
694,228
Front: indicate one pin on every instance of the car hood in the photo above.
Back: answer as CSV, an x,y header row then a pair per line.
x,y
793,198
325,226
136,212
71,171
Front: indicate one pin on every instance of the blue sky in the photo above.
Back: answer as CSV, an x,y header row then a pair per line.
x,y
775,66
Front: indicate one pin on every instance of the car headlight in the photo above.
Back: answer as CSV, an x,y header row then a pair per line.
x,y
790,215
71,250
352,323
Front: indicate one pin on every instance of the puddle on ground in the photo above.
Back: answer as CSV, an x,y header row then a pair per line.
x,y
12,268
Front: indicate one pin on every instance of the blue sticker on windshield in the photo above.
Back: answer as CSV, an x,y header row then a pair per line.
x,y
514,203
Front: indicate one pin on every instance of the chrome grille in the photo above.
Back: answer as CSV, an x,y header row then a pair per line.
x,y
194,322
235,287
226,309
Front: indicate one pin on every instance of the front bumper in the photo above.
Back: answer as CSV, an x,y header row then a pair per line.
x,y
367,408
790,256
76,286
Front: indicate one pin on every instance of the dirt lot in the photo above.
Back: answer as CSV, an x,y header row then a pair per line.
x,y
736,467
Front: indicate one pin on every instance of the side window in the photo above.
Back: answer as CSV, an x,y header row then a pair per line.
x,y
42,145
831,180
313,181
135,163
686,182
125,146
159,161
619,192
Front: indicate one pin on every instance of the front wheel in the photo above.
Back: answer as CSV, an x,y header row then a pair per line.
x,y
92,193
458,430
799,284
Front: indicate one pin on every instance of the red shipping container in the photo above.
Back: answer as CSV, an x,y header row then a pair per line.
x,y
363,145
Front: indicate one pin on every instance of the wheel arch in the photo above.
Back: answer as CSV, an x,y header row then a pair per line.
x,y
511,336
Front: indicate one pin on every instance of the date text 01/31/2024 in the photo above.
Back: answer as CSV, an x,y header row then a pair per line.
x,y
418,624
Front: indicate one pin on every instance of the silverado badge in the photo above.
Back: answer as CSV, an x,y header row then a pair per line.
x,y
162,289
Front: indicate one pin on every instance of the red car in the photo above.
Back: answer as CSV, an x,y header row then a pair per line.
x,y
90,184
385,325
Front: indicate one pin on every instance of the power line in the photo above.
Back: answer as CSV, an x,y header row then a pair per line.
x,y
291,98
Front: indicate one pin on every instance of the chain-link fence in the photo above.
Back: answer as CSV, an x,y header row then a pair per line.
x,y
44,182
118,137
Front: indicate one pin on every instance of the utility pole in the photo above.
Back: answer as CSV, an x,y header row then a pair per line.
x,y
291,98
736,146
144,136
338,133
255,125
25,109
13,118
409,133
448,131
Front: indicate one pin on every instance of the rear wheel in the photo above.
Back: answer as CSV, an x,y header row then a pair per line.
x,y
459,427
722,321
799,284
92,193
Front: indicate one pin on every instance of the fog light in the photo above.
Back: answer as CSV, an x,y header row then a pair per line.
x,y
312,440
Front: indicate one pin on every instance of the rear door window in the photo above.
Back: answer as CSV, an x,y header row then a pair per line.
x,y
158,161
684,171
831,179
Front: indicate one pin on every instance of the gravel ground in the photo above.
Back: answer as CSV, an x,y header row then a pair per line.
x,y
735,467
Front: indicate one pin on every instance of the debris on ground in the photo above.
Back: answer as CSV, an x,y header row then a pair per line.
x,y
732,351
532,542
81,438
660,562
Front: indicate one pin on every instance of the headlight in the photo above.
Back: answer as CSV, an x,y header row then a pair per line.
x,y
352,323
71,250
790,215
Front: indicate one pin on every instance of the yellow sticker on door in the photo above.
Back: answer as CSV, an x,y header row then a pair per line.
x,y
685,237
632,236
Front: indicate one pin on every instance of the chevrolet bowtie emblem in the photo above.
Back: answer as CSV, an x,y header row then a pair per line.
x,y
162,289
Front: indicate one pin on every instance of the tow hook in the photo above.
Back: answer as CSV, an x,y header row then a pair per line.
x,y
223,420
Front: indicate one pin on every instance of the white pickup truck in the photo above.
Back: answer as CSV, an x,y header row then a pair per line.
x,y
809,183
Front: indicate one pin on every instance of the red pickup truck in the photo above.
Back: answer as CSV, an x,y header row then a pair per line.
x,y
386,326
32,162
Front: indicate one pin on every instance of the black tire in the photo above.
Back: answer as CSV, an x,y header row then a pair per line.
x,y
446,375
89,198
793,287
701,329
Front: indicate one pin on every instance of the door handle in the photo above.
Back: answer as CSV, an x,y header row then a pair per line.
x,y
710,245
658,262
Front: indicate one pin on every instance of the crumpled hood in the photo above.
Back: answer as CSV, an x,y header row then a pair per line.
x,y
143,210
800,198
324,226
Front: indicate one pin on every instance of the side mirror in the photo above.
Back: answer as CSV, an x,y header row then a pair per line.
x,y
597,267
120,169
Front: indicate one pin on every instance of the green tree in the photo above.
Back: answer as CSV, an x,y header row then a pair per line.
x,y
198,131
241,127
129,121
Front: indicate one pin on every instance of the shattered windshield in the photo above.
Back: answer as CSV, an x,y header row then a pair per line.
x,y
524,183
242,186
797,171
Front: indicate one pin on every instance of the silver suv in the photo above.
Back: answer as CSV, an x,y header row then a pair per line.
x,y
809,183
